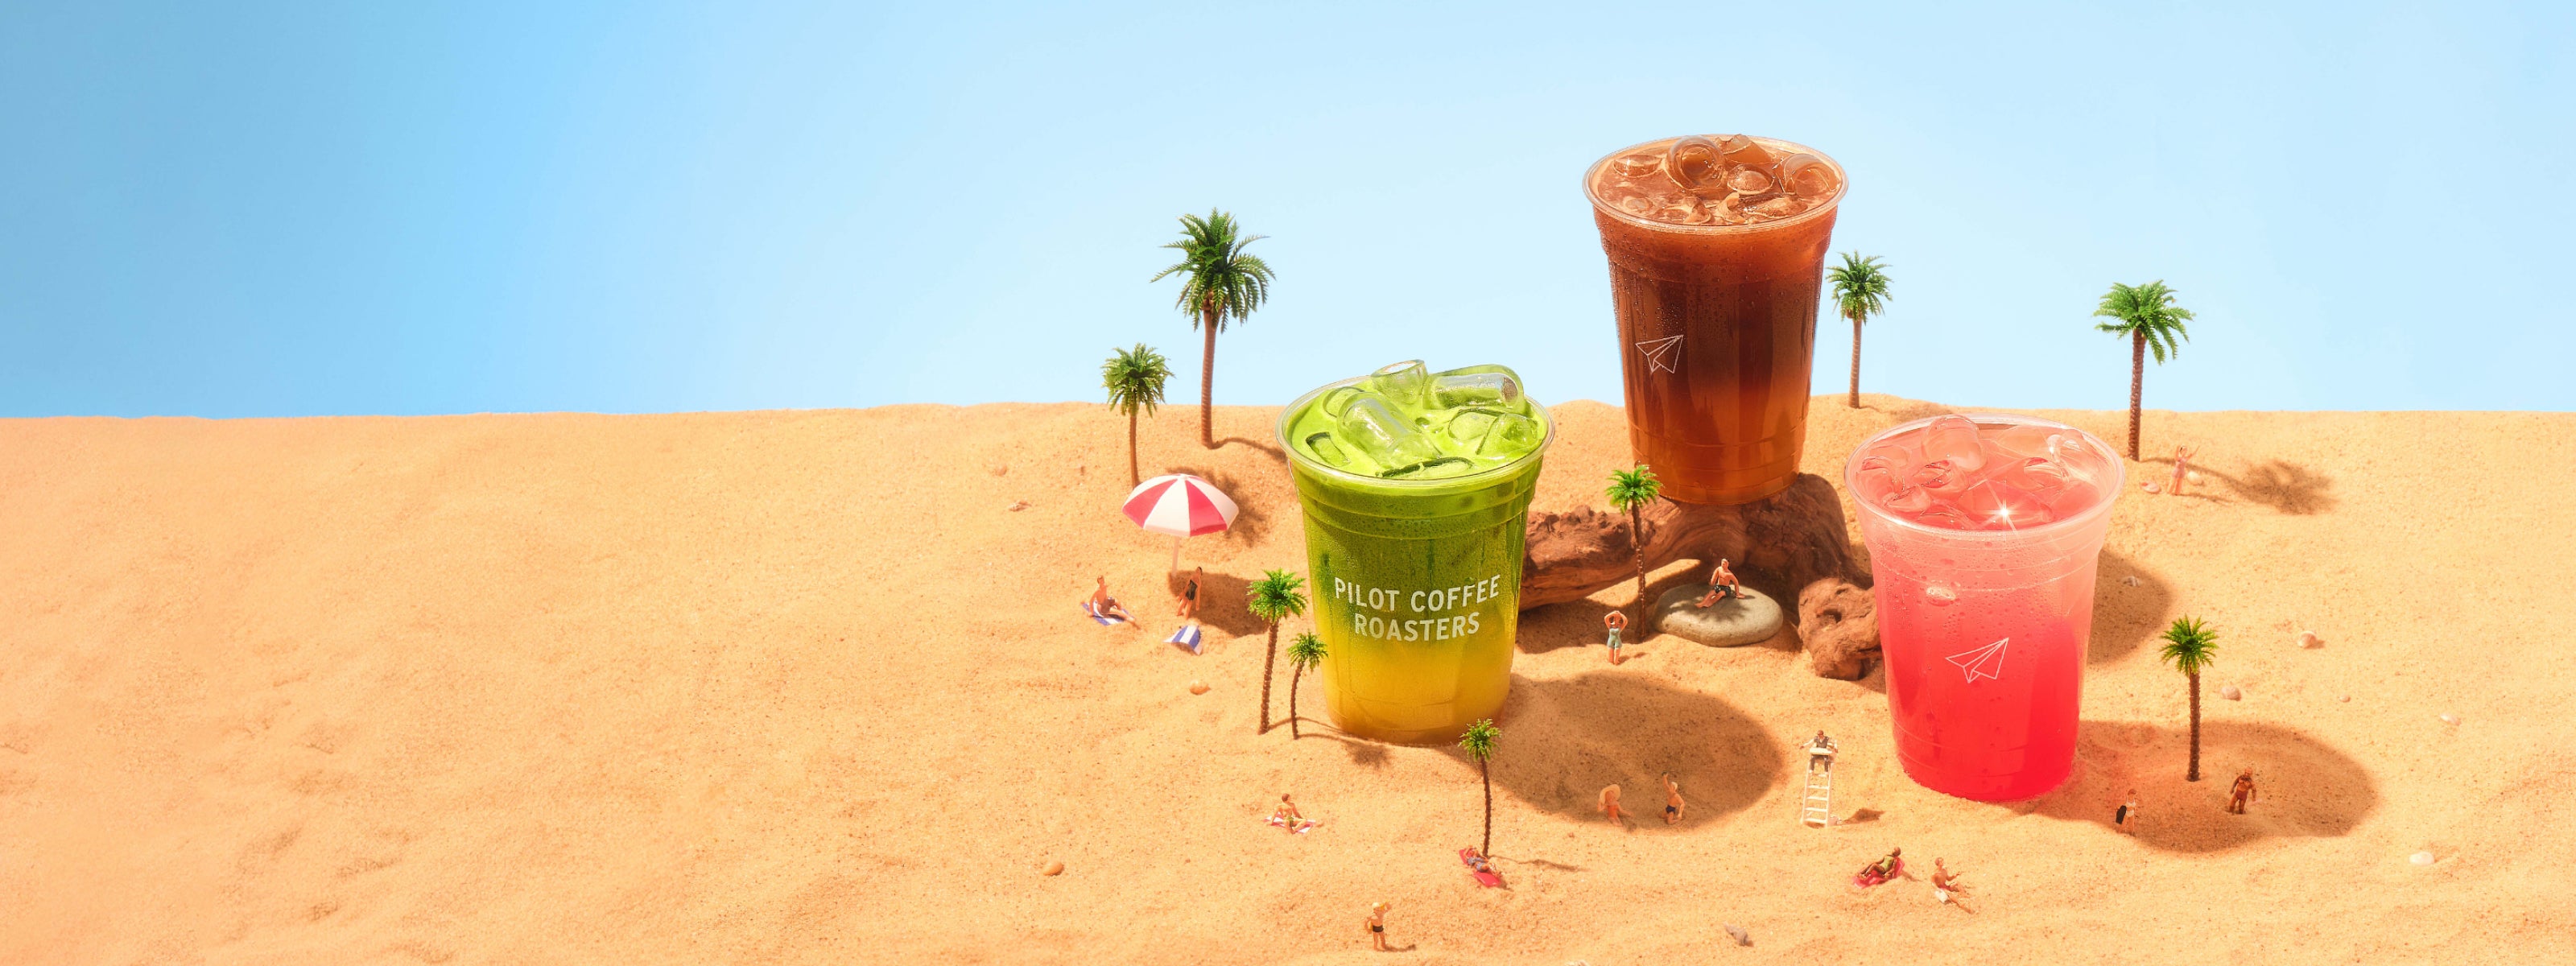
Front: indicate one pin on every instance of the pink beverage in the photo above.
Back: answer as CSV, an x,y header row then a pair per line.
x,y
1984,533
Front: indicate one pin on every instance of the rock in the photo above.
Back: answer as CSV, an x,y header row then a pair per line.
x,y
1839,623
1198,687
2421,858
2450,719
1001,468
1742,938
1051,868
2152,486
1750,619
2231,693
2343,697
1791,543
2310,639
2193,476
2130,580
1019,505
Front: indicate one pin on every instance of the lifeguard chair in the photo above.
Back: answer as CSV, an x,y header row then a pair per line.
x,y
1817,808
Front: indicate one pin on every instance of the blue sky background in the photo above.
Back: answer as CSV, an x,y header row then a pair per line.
x,y
251,209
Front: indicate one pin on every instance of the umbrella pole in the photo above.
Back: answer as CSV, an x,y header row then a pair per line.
x,y
1176,555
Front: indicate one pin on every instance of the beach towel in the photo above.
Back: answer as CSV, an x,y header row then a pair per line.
x,y
1100,617
1187,638
1302,827
1484,877
1869,877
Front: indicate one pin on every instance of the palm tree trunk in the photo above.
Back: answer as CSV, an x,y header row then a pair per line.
x,y
1132,477
1266,664
1293,678
1486,765
1855,389
2137,379
1637,540
2194,774
1207,392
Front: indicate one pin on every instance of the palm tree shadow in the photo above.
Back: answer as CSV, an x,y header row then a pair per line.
x,y
1276,454
2125,616
2284,486
1364,753
2307,788
1564,739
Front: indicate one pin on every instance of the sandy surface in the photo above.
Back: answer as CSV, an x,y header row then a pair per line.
x,y
799,687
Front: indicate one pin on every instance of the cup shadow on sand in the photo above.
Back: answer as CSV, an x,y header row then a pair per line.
x,y
2307,788
1563,740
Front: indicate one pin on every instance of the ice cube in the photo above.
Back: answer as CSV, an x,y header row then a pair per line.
x,y
1995,505
1696,164
1743,152
1907,499
1637,165
1953,440
1776,206
1322,445
2023,441
1378,432
1636,204
1335,401
1439,468
1943,514
1405,384
1474,389
1468,426
1808,176
1512,435
1728,210
1749,181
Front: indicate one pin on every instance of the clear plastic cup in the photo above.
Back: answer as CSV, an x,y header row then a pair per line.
x,y
1984,631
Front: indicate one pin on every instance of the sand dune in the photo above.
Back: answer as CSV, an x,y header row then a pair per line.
x,y
799,687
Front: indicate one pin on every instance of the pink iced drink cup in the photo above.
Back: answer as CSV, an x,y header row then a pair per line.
x,y
1984,534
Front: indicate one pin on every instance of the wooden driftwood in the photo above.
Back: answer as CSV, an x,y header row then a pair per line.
x,y
1789,545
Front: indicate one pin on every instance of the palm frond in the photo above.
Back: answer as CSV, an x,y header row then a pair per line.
x,y
1478,742
2147,313
1135,379
2190,646
1632,488
1308,651
1220,281
1276,597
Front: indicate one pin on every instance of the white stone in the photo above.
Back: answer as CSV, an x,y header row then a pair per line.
x,y
2449,718
2231,693
1750,619
2421,858
2310,639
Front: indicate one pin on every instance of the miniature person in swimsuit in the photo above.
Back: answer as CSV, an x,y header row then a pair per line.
x,y
1107,606
2125,814
1721,586
1286,816
1610,806
1672,800
2242,793
1377,928
2182,461
1946,887
1477,861
1190,597
1820,752
1885,867
1617,622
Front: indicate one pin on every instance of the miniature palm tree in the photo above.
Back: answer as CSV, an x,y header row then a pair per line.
x,y
1306,652
2148,316
1479,743
2189,647
1860,291
1218,282
1135,380
1630,491
1274,598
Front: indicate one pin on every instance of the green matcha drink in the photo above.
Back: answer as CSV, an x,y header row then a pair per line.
x,y
1416,489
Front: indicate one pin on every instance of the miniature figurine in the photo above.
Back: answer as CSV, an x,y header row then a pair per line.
x,y
2242,793
1189,610
1617,622
2125,814
1820,752
1104,608
1610,806
1377,927
1287,817
2182,461
1946,887
1481,868
1887,867
1721,586
1673,803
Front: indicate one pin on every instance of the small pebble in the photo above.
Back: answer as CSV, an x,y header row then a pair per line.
x,y
2310,639
2193,476
1198,687
2152,487
2421,858
2343,697
1019,505
1742,938
1051,868
2131,580
1001,468
2450,719
2231,693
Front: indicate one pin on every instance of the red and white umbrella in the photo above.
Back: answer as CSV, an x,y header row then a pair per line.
x,y
1181,505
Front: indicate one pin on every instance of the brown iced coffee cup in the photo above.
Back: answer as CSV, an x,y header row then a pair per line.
x,y
1717,251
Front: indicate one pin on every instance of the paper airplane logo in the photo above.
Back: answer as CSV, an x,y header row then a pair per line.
x,y
1664,353
1984,662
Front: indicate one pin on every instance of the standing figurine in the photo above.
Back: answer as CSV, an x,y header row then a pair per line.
x,y
1377,928
2182,460
1190,596
1820,752
1721,586
2242,793
1946,887
1673,803
1617,622
2125,814
1610,806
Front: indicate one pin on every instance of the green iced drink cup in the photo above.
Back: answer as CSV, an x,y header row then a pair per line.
x,y
1416,489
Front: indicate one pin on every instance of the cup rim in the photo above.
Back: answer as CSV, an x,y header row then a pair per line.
x,y
1841,188
1300,460
2119,477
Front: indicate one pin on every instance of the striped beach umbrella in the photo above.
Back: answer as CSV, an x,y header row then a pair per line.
x,y
1181,505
